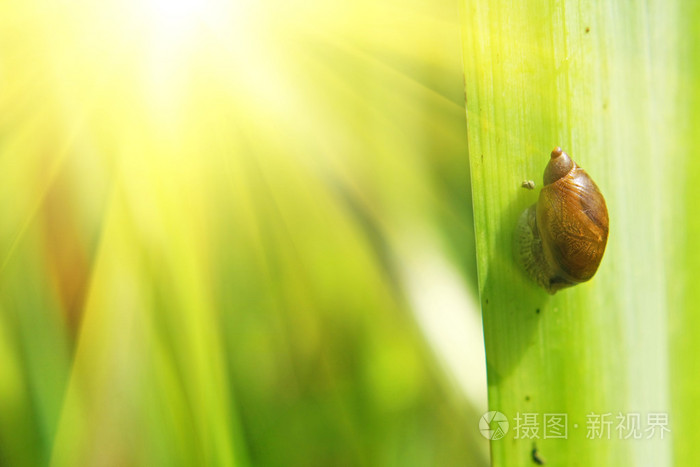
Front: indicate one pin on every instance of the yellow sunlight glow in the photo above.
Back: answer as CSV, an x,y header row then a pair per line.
x,y
176,16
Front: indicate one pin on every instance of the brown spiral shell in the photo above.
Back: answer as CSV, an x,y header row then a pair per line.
x,y
561,238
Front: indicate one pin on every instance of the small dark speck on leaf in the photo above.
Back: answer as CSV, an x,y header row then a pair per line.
x,y
486,301
537,311
536,456
527,398
588,29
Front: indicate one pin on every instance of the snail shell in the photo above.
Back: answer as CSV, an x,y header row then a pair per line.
x,y
560,240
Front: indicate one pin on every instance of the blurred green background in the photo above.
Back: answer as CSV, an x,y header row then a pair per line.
x,y
236,233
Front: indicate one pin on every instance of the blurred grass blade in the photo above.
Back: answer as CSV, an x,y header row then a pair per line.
x,y
231,233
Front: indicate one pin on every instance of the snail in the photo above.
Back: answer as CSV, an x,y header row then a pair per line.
x,y
560,240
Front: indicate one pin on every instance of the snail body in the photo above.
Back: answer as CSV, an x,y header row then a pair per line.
x,y
560,240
